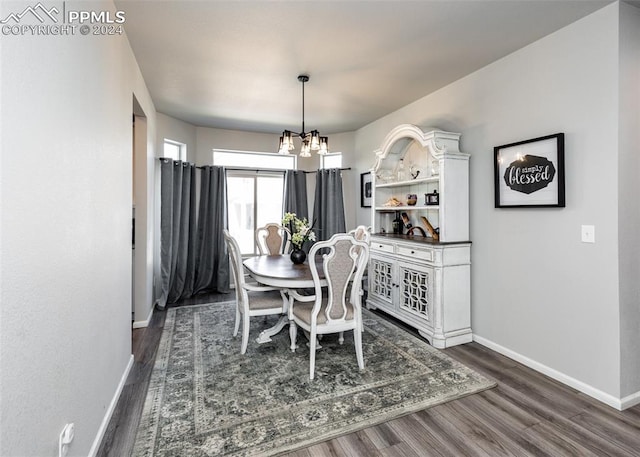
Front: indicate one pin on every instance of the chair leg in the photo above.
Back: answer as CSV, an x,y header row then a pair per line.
x,y
237,324
357,339
341,338
312,354
245,334
293,335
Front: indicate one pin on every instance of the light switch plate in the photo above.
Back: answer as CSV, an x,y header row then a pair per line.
x,y
588,234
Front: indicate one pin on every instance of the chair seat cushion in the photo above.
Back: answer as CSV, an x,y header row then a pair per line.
x,y
265,300
303,312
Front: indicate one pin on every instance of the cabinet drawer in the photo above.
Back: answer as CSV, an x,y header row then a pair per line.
x,y
384,247
422,254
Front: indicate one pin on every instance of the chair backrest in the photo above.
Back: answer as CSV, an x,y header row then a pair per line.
x,y
361,233
273,239
343,265
237,268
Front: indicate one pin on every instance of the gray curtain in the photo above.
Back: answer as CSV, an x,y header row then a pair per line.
x,y
178,227
295,193
193,256
212,267
328,206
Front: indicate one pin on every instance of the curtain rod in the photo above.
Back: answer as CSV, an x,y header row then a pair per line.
x,y
274,169
261,169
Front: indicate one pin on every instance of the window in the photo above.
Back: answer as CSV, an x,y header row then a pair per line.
x,y
253,160
254,197
331,160
175,150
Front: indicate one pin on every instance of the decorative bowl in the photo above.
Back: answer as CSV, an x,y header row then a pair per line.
x,y
412,199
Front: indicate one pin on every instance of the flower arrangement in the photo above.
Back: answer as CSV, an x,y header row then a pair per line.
x,y
301,230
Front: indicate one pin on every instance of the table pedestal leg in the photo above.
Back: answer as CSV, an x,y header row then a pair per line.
x,y
265,335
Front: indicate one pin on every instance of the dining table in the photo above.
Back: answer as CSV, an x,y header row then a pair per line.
x,y
280,271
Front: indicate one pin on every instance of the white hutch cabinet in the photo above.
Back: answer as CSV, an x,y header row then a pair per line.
x,y
422,280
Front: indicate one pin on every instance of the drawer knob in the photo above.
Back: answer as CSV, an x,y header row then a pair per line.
x,y
413,252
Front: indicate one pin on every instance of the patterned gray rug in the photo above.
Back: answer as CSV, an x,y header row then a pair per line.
x,y
205,399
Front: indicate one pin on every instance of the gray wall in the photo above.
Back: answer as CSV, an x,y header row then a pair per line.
x,y
538,293
65,247
629,190
174,129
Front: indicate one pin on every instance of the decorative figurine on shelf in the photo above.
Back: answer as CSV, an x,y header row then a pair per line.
x,y
406,220
414,171
397,225
400,171
433,232
393,201
432,199
419,229
412,199
435,167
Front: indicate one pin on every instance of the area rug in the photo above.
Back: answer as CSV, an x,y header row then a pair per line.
x,y
206,399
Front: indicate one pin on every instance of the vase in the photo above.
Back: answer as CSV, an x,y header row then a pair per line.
x,y
298,256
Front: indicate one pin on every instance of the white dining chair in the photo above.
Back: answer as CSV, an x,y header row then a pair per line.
x,y
251,300
341,309
273,239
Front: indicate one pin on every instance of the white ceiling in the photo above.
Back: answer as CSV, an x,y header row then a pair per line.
x,y
234,64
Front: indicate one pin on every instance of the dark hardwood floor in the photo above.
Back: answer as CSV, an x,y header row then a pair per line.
x,y
526,414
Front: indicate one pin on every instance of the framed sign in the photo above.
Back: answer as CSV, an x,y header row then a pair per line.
x,y
530,173
365,189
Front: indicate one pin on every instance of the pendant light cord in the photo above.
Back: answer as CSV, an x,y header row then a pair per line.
x,y
302,135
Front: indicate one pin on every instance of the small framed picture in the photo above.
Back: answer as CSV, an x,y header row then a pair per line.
x,y
365,190
530,173
432,199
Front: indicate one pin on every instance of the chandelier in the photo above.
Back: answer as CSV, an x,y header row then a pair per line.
x,y
311,141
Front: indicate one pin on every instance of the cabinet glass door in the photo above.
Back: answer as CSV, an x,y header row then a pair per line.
x,y
415,287
381,274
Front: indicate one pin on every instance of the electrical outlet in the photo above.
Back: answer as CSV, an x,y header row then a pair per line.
x,y
65,439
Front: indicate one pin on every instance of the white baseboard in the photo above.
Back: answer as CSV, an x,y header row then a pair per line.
x,y
631,400
145,323
112,406
599,395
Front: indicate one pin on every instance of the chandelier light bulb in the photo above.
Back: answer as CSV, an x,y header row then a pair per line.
x,y
305,151
315,140
282,147
324,145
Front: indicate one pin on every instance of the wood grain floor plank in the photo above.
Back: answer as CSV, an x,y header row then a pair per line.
x,y
415,436
510,422
556,443
444,435
382,436
504,423
326,449
620,434
493,441
399,450
630,416
455,440
501,406
357,443
560,425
